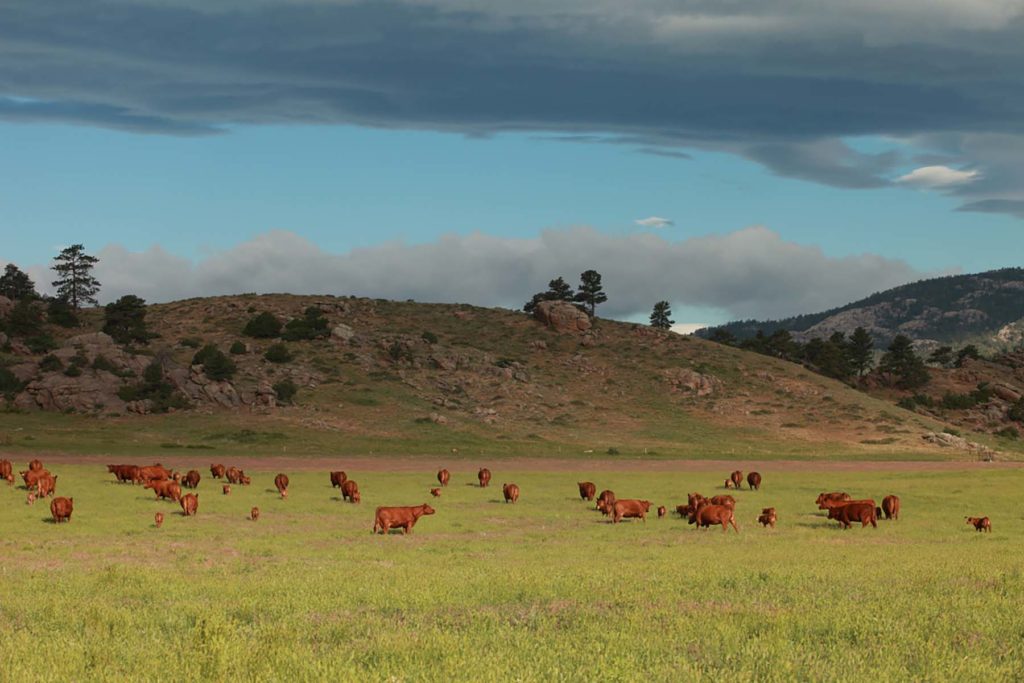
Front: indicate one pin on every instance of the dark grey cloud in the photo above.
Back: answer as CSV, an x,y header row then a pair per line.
x,y
781,82
748,273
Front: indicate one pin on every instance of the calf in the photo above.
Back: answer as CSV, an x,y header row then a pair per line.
x,y
855,511
484,475
189,504
245,480
708,515
61,509
158,519
350,491
254,514
436,493
30,498
729,484
587,490
337,479
683,510
281,483
754,481
226,489
980,523
511,492
662,511
737,479
32,477
387,518
217,471
630,508
443,476
191,480
891,507
767,517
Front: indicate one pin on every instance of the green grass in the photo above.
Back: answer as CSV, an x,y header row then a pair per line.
x,y
540,591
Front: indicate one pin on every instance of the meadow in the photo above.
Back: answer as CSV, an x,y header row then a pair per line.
x,y
543,590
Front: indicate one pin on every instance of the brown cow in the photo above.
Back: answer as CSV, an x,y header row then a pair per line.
x,y
6,469
226,489
337,479
233,475
855,511
768,517
281,483
980,523
662,511
30,498
191,480
754,481
35,465
350,491
153,473
824,498
729,484
165,488
443,476
387,518
891,508
587,490
217,471
707,515
46,485
31,477
61,509
737,479
630,508
436,493
122,473
484,475
723,500
176,477
245,480
511,492
254,514
683,510
158,518
189,504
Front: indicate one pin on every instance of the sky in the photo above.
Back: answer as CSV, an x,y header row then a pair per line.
x,y
743,159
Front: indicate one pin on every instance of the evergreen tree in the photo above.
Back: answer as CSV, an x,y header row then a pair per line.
x,y
904,364
15,284
590,293
661,316
126,320
860,351
942,356
263,326
558,290
969,351
59,312
74,281
723,336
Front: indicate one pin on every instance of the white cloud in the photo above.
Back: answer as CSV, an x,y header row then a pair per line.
x,y
654,222
937,177
687,328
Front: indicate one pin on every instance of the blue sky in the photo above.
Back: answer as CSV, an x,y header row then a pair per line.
x,y
390,147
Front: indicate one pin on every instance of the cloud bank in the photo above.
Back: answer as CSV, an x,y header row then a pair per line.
x,y
749,273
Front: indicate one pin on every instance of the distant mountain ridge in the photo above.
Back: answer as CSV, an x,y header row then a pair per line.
x,y
983,308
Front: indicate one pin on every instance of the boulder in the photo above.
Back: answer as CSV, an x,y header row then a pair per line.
x,y
1007,393
222,393
691,381
342,333
87,393
562,316
90,340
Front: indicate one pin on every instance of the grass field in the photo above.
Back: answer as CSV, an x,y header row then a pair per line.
x,y
543,590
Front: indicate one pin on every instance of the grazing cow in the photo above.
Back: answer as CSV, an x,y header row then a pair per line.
x,y
694,499
165,488
436,493
630,508
587,490
32,477
35,465
737,479
754,481
245,480
662,511
233,475
443,476
511,492
337,479
824,499
254,514
191,480
350,491
387,518
768,517
484,475
217,471
189,504
980,523
46,485
153,473
30,498
158,518
226,489
708,515
729,484
683,510
61,509
176,477
281,483
607,496
891,507
6,469
855,511
122,473
723,500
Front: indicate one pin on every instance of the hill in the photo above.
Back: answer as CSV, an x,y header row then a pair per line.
x,y
986,309
410,378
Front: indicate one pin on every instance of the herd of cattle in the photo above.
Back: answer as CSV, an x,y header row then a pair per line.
x,y
718,510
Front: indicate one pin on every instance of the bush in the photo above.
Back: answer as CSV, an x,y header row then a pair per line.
x,y
9,383
79,360
285,390
263,326
278,353
951,401
238,348
51,364
1016,411
1009,433
73,371
40,343
907,403
429,337
216,365
312,325
59,312
100,362
161,394
191,342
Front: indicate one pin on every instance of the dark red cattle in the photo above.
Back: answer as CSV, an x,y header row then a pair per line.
x,y
443,476
245,480
6,469
511,492
587,490
338,478
754,481
824,499
694,499
628,507
165,488
890,507
35,465
233,475
405,518
436,493
32,477
729,484
484,475
683,510
46,485
350,491
737,479
153,472
191,480
61,509
708,515
122,473
855,511
158,519
723,500
980,523
607,497
226,489
662,511
217,471
254,514
281,483
768,517
189,504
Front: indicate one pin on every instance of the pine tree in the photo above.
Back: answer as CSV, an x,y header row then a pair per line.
x,y
661,316
126,320
590,292
904,364
74,281
860,350
15,284
558,290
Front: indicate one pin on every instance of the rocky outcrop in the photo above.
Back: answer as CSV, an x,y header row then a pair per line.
x,y
562,316
342,333
945,440
90,392
690,381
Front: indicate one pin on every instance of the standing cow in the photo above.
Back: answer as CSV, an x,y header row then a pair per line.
x,y
191,480
768,517
405,518
61,509
624,508
754,481
484,475
980,523
189,504
890,507
350,491
217,471
587,490
737,479
443,476
281,483
511,492
337,479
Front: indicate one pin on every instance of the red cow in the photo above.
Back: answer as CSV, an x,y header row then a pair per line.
x,y
443,476
35,465
891,507
61,509
337,479
754,481
245,480
158,518
662,511
350,491
768,517
630,508
436,493
254,514
46,485
607,496
729,484
122,473
30,498
707,515
511,492
683,510
484,475
388,518
6,469
191,479
723,500
165,488
189,504
980,523
737,479
153,472
226,489
855,511
824,499
587,490
281,483
233,475
694,499
32,477
217,471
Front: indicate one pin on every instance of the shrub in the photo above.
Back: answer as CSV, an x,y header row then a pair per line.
x,y
312,325
278,353
951,401
1009,433
216,365
51,364
285,391
429,337
40,343
1016,411
238,348
191,342
100,362
73,371
612,451
59,312
79,360
161,394
125,320
9,383
263,326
